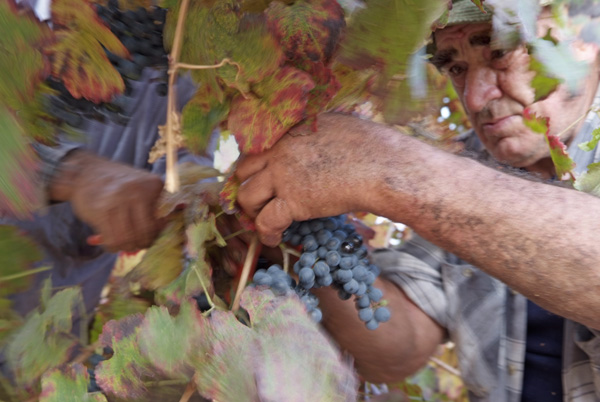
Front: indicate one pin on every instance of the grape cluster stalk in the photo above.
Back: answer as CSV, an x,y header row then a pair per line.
x,y
333,255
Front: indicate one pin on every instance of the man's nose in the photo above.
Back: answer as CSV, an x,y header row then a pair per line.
x,y
481,87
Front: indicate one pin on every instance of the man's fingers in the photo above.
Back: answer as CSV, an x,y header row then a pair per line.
x,y
145,225
118,232
249,165
274,218
255,192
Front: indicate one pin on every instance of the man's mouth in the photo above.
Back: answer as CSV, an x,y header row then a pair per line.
x,y
496,127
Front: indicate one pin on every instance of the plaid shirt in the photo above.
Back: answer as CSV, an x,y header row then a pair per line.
x,y
487,320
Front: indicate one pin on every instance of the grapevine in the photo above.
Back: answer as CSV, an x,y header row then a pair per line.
x,y
188,321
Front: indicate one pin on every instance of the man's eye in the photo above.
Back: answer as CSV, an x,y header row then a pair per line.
x,y
456,70
498,54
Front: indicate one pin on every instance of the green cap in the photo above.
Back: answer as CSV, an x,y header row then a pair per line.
x,y
465,12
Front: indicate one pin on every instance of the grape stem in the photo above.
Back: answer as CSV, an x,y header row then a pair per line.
x,y
189,391
22,274
172,182
245,272
445,366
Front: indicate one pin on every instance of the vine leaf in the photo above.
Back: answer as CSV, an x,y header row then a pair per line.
x,y
285,333
215,31
228,195
78,56
162,263
68,383
563,164
307,30
591,144
228,375
21,38
45,340
200,116
19,193
589,182
368,44
542,84
170,342
122,374
17,253
559,62
258,123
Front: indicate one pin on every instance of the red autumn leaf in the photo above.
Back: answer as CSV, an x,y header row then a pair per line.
x,y
563,164
308,30
78,56
258,123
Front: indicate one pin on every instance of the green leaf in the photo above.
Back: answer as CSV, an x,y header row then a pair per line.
x,y
258,123
589,182
200,116
591,144
559,62
294,357
229,373
374,38
536,124
163,262
542,84
21,38
215,31
175,344
123,374
308,30
45,340
68,384
374,41
19,193
117,306
78,56
17,253
563,163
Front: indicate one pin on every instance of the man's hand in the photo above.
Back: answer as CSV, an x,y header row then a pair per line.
x,y
118,201
308,175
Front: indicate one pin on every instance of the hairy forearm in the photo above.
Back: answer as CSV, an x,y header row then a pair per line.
x,y
395,350
537,238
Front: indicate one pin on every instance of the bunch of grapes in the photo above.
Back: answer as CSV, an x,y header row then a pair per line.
x,y
333,254
282,284
141,32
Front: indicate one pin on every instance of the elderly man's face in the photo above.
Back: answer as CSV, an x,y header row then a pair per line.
x,y
494,87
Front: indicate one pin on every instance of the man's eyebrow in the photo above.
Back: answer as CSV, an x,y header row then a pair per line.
x,y
480,40
443,57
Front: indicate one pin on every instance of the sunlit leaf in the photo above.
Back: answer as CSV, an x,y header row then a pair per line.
x,y
78,56
591,144
589,182
68,384
229,373
259,122
373,41
542,84
560,62
163,262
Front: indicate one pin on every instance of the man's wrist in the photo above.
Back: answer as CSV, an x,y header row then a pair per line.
x,y
64,180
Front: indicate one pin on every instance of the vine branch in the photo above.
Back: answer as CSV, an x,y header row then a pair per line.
x,y
245,272
189,391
